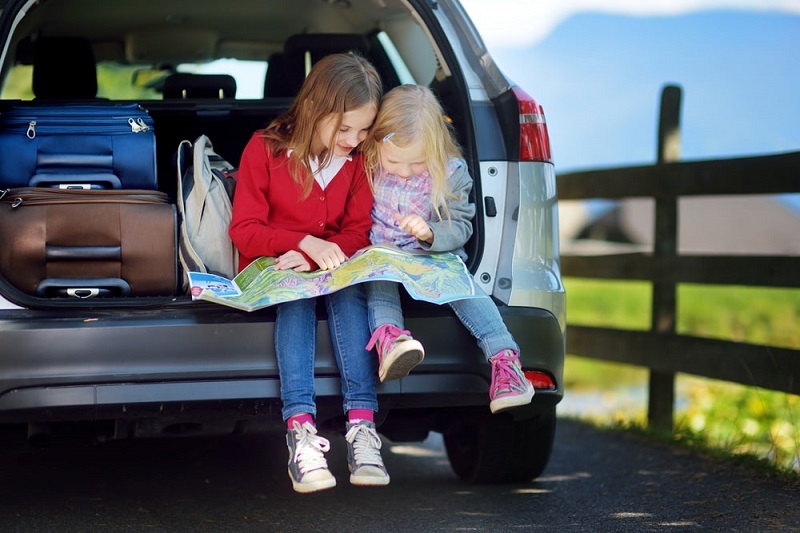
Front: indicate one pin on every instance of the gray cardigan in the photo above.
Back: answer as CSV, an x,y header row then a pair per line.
x,y
450,235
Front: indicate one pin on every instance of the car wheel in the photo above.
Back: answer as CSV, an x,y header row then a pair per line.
x,y
499,449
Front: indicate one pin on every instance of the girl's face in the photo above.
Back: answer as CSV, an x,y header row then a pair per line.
x,y
404,162
354,128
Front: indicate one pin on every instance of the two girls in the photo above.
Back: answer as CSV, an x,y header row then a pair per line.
x,y
303,197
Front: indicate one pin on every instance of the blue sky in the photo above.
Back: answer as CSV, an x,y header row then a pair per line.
x,y
598,69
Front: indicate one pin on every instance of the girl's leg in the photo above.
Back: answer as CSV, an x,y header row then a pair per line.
x,y
509,387
347,322
295,347
481,317
398,352
383,301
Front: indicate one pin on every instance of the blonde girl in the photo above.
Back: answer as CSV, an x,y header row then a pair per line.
x,y
421,186
303,197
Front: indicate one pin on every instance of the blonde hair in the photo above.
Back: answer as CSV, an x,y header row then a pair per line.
x,y
410,114
338,83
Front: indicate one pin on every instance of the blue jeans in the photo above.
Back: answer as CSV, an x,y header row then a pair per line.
x,y
295,347
479,315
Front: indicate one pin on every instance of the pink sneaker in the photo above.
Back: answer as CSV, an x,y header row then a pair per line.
x,y
398,352
509,388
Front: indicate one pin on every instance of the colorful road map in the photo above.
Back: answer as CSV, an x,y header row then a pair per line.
x,y
432,277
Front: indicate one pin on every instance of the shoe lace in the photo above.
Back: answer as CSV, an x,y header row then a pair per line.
x,y
384,337
505,371
309,447
366,444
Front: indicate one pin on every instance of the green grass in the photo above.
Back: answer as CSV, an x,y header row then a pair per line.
x,y
727,417
619,304
741,420
700,445
755,315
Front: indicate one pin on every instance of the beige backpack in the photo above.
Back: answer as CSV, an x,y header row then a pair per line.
x,y
205,195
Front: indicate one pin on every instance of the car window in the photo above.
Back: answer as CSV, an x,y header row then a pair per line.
x,y
18,84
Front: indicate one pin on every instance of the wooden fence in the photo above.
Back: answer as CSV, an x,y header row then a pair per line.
x,y
661,349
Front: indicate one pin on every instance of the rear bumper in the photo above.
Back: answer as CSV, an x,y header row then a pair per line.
x,y
191,360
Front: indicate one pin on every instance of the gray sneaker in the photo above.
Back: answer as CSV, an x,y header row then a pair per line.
x,y
364,455
308,468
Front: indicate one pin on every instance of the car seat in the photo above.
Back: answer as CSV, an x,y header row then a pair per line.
x,y
301,51
276,83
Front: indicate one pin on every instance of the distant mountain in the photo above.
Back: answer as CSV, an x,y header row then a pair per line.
x,y
599,78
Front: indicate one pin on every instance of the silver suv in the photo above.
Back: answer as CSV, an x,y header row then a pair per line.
x,y
167,365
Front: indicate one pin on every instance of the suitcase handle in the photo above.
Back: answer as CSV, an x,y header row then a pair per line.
x,y
82,253
76,181
83,287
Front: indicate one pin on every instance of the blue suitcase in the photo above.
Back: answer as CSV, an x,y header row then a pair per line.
x,y
86,146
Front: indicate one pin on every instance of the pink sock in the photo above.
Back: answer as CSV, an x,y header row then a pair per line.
x,y
354,415
301,419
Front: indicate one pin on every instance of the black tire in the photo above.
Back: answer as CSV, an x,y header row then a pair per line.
x,y
498,449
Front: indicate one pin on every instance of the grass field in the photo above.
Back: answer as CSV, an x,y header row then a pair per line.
x,y
725,416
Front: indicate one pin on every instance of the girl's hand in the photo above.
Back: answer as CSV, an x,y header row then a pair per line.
x,y
327,255
416,226
294,260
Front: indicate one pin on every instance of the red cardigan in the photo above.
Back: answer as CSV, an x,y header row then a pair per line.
x,y
270,218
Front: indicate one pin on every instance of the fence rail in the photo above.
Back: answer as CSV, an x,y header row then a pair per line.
x,y
660,348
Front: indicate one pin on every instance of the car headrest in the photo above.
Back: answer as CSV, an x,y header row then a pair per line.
x,y
64,68
276,82
322,44
316,46
184,85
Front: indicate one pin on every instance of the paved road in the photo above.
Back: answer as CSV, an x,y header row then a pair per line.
x,y
596,481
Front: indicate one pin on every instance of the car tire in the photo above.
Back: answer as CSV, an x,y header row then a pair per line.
x,y
499,449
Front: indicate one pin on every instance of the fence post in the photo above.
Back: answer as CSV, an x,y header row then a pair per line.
x,y
661,402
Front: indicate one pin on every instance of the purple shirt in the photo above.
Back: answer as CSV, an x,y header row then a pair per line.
x,y
395,195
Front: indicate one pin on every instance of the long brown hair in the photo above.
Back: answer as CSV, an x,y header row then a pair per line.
x,y
338,83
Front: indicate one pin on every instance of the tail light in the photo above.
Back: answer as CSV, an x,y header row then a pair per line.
x,y
540,380
534,141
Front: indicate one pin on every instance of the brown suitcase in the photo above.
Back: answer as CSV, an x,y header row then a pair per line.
x,y
87,243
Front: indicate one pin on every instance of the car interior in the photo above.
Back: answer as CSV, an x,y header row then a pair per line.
x,y
198,70
181,61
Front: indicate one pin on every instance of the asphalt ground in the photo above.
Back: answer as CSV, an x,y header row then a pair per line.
x,y
596,481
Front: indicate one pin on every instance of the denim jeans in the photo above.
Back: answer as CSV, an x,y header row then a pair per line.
x,y
479,315
295,346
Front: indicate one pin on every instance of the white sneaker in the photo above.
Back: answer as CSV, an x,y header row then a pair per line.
x,y
308,468
364,455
